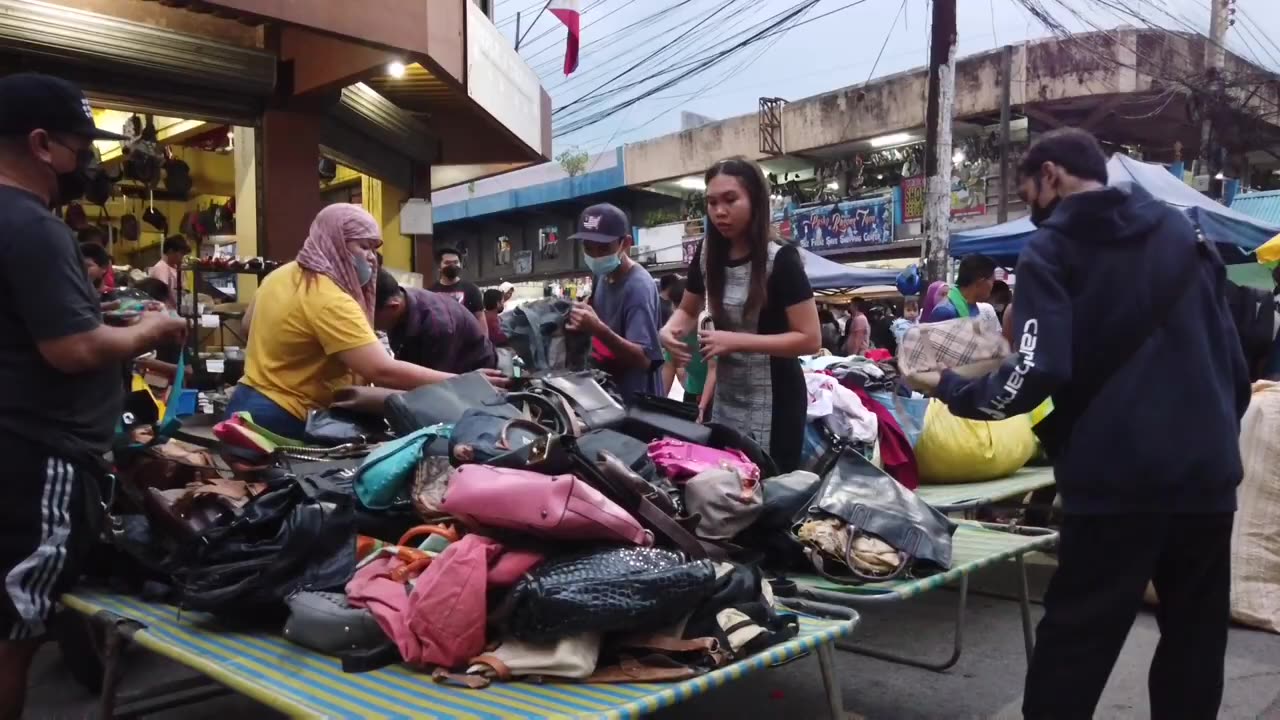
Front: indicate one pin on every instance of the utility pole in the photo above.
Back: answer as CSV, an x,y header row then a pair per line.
x,y
1214,57
1006,90
937,139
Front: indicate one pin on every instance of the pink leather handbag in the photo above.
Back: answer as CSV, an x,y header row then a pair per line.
x,y
559,507
680,460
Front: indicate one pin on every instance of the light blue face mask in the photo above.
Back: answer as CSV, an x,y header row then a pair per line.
x,y
602,265
364,271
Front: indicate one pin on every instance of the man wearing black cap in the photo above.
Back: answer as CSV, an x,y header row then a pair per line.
x,y
623,315
60,394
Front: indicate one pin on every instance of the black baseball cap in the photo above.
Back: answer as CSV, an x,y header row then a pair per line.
x,y
31,101
602,223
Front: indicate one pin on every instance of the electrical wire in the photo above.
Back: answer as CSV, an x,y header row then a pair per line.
x,y
550,64
774,25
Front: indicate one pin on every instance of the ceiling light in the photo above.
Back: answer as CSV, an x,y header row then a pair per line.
x,y
833,185
395,69
958,157
692,183
880,177
890,139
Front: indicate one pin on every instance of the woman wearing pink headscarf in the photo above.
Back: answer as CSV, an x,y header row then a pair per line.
x,y
936,292
312,327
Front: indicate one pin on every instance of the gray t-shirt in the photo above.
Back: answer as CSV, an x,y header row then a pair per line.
x,y
45,294
630,308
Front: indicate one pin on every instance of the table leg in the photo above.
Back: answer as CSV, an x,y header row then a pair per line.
x,y
835,695
1024,600
112,649
947,664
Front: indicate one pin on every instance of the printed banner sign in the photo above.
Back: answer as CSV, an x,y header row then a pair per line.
x,y
846,224
967,198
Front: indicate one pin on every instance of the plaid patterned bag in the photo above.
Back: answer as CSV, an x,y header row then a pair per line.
x,y
952,344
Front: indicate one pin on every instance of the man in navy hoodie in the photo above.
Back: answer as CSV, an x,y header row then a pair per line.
x,y
1147,457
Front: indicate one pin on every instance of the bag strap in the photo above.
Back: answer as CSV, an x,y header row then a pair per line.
x,y
958,302
1131,342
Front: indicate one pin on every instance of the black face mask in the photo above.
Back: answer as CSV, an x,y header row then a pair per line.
x,y
72,185
1040,214
450,272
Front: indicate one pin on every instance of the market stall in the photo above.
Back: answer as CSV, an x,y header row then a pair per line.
x,y
1235,233
570,538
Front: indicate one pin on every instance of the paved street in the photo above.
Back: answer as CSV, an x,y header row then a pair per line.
x,y
987,683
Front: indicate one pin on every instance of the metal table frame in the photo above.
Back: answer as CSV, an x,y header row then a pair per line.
x,y
870,597
119,632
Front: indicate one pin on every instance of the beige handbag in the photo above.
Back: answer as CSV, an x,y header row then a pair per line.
x,y
971,346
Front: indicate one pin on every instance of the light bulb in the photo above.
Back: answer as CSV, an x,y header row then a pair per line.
x,y
395,69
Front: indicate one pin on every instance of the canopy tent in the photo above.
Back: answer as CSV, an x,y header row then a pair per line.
x,y
1234,232
825,274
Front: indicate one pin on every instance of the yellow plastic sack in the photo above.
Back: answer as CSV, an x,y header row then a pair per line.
x,y
139,384
953,450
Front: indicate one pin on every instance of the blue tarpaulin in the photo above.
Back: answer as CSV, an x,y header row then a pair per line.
x,y
826,274
1235,233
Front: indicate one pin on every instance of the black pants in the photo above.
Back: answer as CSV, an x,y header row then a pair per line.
x,y
1104,564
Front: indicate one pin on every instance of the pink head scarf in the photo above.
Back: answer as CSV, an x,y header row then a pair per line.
x,y
931,297
325,250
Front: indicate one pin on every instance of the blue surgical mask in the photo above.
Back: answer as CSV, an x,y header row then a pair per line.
x,y
603,265
364,271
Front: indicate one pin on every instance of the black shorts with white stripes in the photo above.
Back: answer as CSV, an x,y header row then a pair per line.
x,y
44,536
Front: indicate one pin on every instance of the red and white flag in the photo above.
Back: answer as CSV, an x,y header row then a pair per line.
x,y
569,12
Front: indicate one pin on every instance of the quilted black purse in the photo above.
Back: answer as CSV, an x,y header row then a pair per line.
x,y
625,588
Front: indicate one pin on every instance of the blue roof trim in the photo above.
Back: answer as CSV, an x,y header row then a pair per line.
x,y
564,189
1264,206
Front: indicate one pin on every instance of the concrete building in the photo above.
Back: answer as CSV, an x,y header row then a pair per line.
x,y
852,156
413,96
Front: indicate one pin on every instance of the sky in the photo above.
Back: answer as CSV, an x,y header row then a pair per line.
x,y
829,52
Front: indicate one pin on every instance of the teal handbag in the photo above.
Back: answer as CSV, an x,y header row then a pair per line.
x,y
383,478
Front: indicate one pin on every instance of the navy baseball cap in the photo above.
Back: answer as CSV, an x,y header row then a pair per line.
x,y
602,223
31,101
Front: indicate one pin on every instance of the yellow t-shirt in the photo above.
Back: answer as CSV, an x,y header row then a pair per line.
x,y
296,330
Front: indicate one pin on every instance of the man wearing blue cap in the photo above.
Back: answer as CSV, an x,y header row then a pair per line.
x,y
60,390
622,317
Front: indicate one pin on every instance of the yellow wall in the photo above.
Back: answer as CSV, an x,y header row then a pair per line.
x,y
383,201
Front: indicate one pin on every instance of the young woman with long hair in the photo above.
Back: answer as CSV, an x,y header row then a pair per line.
x,y
765,317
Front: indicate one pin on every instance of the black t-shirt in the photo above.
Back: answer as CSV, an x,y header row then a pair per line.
x,y
787,285
44,295
464,292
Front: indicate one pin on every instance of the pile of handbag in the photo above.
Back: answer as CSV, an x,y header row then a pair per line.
x,y
547,532
571,550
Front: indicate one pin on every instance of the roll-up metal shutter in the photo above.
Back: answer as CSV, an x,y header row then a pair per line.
x,y
110,57
369,133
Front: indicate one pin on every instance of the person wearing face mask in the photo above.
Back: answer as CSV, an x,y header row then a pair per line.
x,y
452,284
60,390
622,317
1148,383
764,313
310,327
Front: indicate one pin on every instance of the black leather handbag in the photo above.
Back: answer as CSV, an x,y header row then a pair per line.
x,y
633,453
595,406
653,423
443,402
614,589
299,535
871,502
334,427
485,433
